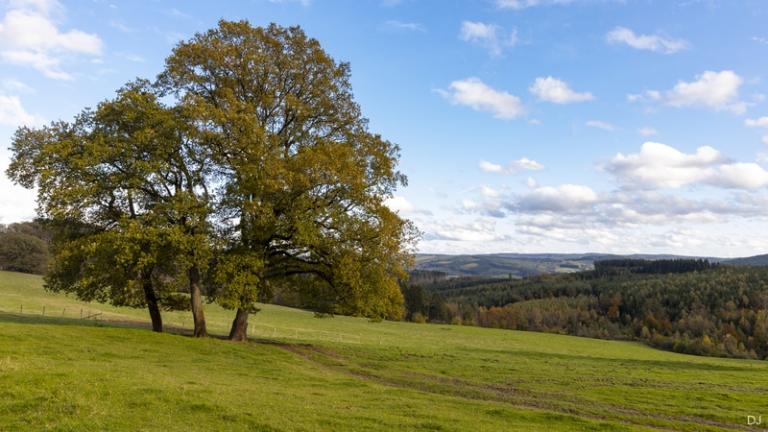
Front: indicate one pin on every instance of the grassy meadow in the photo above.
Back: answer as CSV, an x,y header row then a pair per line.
x,y
301,373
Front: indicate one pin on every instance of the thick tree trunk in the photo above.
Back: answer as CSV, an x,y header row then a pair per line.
x,y
154,309
239,331
197,302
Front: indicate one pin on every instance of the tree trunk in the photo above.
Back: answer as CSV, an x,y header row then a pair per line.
x,y
197,302
154,309
239,330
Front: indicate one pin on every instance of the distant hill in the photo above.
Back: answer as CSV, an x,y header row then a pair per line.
x,y
757,260
522,265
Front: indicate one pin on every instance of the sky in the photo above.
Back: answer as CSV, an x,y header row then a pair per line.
x,y
634,126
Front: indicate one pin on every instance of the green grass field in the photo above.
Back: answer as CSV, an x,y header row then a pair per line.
x,y
301,373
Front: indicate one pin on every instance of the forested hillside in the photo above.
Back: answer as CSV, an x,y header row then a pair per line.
x,y
690,306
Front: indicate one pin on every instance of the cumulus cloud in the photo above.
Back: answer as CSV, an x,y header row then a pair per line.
x,y
30,37
719,90
556,198
576,213
514,167
399,204
474,93
661,166
550,89
657,43
599,124
715,90
402,205
13,114
490,36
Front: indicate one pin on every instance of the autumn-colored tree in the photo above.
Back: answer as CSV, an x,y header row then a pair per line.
x,y
303,179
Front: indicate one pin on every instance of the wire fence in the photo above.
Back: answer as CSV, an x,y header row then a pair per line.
x,y
56,312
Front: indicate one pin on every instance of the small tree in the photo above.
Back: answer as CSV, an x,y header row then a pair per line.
x,y
303,178
22,252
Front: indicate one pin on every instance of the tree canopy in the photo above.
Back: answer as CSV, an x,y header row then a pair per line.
x,y
303,179
247,165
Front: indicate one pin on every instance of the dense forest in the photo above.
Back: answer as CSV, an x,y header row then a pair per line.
x,y
690,306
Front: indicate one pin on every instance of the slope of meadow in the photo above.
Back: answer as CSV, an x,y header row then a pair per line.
x,y
60,372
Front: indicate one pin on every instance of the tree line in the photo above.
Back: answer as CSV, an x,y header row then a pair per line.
x,y
706,309
245,168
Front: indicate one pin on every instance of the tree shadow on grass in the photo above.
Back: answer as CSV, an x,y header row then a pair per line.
x,y
29,319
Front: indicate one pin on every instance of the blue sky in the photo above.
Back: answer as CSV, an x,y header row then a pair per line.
x,y
525,125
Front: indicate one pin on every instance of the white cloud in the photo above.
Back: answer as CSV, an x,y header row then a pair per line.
x,y
472,92
13,114
301,2
719,90
761,122
550,89
559,198
480,230
15,86
524,4
489,192
491,167
661,166
131,57
514,167
740,175
526,164
715,90
118,25
29,37
406,26
399,204
623,35
490,36
17,204
46,7
757,122
598,124
647,131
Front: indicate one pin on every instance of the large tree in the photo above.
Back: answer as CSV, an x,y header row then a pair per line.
x,y
303,180
125,187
